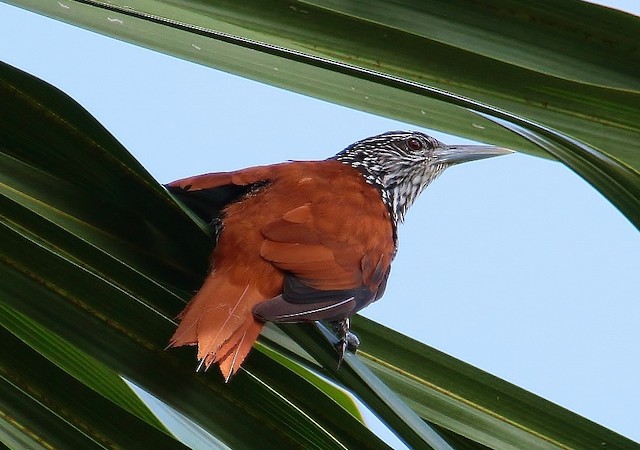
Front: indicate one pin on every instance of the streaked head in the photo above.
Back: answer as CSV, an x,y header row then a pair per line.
x,y
402,163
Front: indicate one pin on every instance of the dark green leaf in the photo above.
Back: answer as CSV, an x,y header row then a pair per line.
x,y
93,269
567,67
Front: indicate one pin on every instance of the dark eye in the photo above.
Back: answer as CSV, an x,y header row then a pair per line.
x,y
414,144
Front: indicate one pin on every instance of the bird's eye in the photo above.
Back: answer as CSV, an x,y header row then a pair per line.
x,y
414,144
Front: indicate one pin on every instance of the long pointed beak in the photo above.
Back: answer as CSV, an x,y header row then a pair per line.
x,y
457,154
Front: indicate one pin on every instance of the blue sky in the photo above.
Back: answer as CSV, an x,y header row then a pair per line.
x,y
512,264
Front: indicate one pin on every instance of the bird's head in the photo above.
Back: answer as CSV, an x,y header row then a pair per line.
x,y
402,163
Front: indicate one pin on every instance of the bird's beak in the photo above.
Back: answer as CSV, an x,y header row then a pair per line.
x,y
457,154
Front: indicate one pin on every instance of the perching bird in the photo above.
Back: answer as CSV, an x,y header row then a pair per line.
x,y
304,240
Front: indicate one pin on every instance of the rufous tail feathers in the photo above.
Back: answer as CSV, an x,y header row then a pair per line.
x,y
219,320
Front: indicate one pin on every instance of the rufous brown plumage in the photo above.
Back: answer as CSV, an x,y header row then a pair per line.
x,y
303,240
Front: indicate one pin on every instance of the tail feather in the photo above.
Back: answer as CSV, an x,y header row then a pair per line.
x,y
235,350
217,328
219,320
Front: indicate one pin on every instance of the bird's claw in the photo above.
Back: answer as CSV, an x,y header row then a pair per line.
x,y
348,340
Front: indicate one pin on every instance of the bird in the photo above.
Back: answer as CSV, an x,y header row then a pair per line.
x,y
304,241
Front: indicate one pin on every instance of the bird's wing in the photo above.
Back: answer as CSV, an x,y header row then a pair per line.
x,y
334,265
206,195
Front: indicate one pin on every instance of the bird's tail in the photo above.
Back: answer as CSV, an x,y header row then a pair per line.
x,y
219,320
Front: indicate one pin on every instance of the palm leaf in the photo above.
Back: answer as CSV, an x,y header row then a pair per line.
x,y
94,268
566,69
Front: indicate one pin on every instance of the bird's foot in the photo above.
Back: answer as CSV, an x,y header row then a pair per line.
x,y
348,340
